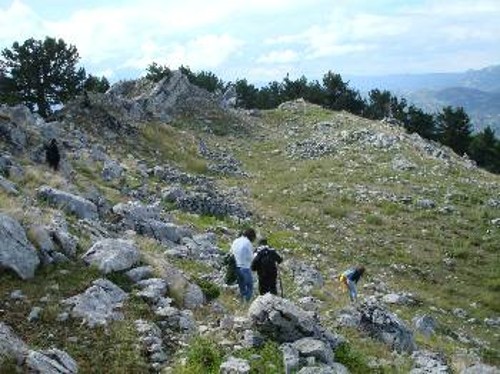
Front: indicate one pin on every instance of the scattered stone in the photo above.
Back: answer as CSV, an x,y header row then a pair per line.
x,y
98,304
140,273
8,186
251,339
400,299
111,170
16,252
305,276
73,204
309,347
429,362
112,255
425,204
35,314
152,289
386,327
425,325
481,369
281,320
235,366
350,317
11,346
291,358
51,361
17,295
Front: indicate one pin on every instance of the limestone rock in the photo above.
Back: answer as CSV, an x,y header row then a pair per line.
x,y
385,326
16,252
281,320
73,204
235,366
51,361
11,346
112,255
98,304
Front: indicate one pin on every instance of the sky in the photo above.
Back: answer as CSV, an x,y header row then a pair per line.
x,y
264,40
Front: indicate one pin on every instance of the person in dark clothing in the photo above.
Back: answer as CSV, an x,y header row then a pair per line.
x,y
52,154
265,263
350,278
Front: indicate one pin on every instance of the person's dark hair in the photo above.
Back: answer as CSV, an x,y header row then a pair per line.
x,y
263,241
361,269
250,234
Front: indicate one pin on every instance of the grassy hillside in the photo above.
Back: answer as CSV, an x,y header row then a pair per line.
x,y
346,205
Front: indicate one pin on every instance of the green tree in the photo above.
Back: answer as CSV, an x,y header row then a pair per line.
x,y
203,79
270,96
379,104
96,84
420,122
44,72
8,93
247,94
454,129
293,89
156,72
339,96
485,150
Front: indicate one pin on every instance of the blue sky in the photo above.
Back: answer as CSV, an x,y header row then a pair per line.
x,y
263,40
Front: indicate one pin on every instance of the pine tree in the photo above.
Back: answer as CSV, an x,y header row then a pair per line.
x,y
454,129
44,73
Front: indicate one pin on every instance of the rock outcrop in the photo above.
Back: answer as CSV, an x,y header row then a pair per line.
x,y
16,252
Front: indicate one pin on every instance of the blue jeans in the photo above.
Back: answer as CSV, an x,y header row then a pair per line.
x,y
245,282
353,292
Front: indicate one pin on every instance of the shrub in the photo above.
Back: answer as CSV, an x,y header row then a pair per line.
x,y
203,356
210,289
351,359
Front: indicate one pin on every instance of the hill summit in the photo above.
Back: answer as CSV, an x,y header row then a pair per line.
x,y
115,260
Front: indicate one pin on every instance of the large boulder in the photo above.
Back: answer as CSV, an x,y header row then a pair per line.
x,y
16,252
281,320
13,123
73,204
98,304
51,361
386,327
112,255
11,346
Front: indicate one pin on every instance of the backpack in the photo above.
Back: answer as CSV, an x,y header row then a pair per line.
x,y
230,277
264,260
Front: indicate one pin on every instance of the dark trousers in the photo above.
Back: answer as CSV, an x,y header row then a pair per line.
x,y
267,283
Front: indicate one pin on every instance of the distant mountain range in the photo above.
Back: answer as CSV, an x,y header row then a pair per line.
x,y
478,91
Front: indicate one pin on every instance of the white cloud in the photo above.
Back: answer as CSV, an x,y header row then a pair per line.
x,y
220,33
18,23
205,52
279,57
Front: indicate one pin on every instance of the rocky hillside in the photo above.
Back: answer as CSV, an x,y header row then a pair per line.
x,y
114,263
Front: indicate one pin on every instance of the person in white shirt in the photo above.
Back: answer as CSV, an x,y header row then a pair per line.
x,y
242,250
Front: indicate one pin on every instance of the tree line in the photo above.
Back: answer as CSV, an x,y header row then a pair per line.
x,y
44,74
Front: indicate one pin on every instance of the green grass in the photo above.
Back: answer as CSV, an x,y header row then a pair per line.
x,y
93,348
202,357
167,144
265,359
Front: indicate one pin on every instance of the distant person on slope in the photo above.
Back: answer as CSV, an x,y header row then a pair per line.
x,y
265,263
242,250
52,154
350,278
